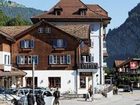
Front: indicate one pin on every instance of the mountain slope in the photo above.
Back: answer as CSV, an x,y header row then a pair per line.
x,y
124,41
13,9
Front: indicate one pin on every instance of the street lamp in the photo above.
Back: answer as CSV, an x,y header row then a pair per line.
x,y
33,78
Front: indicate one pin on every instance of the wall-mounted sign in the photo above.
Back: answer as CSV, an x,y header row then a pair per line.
x,y
134,65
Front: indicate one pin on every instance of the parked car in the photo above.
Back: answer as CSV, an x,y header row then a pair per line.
x,y
126,88
23,92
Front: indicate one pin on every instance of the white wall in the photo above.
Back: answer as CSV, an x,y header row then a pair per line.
x,y
67,78
2,60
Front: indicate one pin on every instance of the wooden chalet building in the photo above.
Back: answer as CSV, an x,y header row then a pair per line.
x,y
66,44
127,71
8,74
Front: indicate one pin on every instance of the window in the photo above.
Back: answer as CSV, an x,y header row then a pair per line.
x,y
82,81
52,59
22,59
59,43
35,59
57,12
68,59
29,81
7,59
27,43
82,12
62,59
92,43
86,59
47,30
40,30
54,82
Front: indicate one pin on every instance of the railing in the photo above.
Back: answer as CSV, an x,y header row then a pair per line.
x,y
88,66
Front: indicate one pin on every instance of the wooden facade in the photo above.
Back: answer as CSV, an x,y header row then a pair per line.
x,y
43,47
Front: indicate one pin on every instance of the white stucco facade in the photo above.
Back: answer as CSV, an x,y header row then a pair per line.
x,y
68,78
5,60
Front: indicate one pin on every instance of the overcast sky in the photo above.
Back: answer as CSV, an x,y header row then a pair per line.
x,y
117,9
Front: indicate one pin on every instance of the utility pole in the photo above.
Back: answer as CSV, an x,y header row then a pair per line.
x,y
33,78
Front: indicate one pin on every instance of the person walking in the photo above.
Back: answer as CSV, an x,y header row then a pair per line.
x,y
40,98
89,94
56,94
30,98
131,87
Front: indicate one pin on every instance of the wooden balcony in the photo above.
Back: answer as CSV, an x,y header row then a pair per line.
x,y
88,67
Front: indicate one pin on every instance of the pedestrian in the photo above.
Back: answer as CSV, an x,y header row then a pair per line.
x,y
131,87
89,94
56,94
40,98
30,98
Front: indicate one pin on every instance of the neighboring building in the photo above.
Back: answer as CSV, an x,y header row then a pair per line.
x,y
127,70
8,74
67,45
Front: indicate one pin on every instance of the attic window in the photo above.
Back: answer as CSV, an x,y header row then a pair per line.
x,y
57,12
46,30
82,12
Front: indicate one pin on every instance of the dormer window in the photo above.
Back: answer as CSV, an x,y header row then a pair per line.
x,y
57,12
82,12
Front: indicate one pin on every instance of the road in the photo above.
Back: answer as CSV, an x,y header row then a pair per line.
x,y
123,98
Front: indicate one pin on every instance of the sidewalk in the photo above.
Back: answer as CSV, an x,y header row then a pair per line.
x,y
3,103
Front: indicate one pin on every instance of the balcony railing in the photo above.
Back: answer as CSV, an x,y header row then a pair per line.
x,y
88,66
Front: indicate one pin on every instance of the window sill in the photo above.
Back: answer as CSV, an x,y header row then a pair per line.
x,y
58,65
25,49
59,48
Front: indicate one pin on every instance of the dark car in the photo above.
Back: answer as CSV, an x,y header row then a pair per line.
x,y
126,88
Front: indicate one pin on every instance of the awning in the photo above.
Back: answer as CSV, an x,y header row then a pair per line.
x,y
12,73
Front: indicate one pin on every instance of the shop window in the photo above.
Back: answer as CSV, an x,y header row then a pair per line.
x,y
82,81
54,82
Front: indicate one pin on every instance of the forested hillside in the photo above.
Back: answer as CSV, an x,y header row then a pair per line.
x,y
13,9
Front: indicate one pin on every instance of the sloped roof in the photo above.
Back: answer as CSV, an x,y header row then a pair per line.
x,y
69,9
77,30
119,62
13,30
6,35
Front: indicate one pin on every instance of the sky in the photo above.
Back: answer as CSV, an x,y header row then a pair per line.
x,y
117,9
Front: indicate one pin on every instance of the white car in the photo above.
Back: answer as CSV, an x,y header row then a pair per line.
x,y
23,92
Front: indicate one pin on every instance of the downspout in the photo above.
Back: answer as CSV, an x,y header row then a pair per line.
x,y
100,52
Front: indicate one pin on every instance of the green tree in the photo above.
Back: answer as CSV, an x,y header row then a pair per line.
x,y
3,19
17,21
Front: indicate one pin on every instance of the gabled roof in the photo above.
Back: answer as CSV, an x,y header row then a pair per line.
x,y
69,9
8,37
77,30
120,63
38,24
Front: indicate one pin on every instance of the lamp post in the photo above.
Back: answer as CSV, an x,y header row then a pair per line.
x,y
33,78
